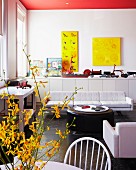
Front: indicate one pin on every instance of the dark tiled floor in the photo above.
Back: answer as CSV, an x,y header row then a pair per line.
x,y
117,164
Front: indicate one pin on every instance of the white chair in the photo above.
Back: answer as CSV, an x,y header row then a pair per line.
x,y
88,153
121,139
16,162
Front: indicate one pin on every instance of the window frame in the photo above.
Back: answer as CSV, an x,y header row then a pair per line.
x,y
1,36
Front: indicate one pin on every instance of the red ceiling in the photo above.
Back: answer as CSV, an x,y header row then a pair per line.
x,y
77,4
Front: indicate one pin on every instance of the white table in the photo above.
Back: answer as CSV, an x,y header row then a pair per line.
x,y
20,94
90,108
51,165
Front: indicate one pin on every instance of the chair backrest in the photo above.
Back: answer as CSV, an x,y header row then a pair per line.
x,y
59,95
88,153
87,96
112,96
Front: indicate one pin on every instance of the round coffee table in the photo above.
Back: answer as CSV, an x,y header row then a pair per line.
x,y
89,121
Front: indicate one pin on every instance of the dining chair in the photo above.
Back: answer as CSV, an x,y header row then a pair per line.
x,y
88,153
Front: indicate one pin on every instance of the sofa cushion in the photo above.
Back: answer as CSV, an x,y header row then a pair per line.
x,y
112,96
60,95
115,104
87,96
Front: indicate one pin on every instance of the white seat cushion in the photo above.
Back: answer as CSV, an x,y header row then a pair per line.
x,y
116,104
112,96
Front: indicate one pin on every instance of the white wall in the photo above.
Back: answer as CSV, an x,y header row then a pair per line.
x,y
44,33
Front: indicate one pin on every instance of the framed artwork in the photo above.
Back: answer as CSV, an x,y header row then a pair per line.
x,y
106,51
69,51
54,66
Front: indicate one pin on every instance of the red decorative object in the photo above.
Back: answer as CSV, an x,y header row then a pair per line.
x,y
96,72
85,107
87,71
24,85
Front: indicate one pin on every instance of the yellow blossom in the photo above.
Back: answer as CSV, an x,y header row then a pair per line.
x,y
65,104
60,133
27,116
4,94
47,128
32,128
56,111
40,112
46,99
36,91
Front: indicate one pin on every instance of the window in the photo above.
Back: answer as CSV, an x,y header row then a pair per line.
x,y
0,55
1,38
1,17
21,41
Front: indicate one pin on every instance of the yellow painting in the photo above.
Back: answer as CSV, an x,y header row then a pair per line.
x,y
106,51
69,51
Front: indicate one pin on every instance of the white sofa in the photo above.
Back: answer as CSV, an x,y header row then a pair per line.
x,y
116,100
121,139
